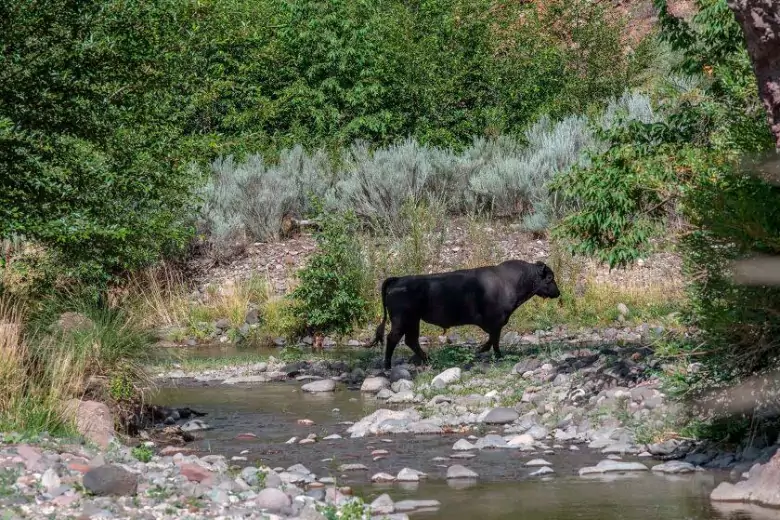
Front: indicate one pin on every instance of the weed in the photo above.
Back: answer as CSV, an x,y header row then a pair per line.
x,y
142,453
8,478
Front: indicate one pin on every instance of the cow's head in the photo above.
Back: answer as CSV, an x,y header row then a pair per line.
x,y
545,283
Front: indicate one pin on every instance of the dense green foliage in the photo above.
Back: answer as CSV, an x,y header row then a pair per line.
x,y
329,297
690,163
104,105
87,162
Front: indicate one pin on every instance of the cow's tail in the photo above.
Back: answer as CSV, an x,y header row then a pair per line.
x,y
379,337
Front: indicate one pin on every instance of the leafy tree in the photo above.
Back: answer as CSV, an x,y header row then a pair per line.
x,y
87,148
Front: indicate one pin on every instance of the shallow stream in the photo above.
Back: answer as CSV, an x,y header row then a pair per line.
x,y
504,490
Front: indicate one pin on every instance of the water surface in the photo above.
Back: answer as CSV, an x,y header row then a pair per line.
x,y
504,490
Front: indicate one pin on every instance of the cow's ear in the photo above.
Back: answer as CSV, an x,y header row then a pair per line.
x,y
540,267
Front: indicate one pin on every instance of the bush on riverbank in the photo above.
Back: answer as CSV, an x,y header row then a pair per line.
x,y
50,356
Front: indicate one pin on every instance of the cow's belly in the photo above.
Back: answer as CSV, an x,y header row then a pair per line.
x,y
446,318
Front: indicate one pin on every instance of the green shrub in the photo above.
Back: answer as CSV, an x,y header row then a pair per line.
x,y
733,215
86,139
329,295
142,453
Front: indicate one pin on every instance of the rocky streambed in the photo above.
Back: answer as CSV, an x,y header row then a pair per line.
x,y
555,435
552,436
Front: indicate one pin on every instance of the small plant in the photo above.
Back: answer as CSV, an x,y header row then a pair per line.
x,y
290,354
143,454
329,296
451,356
121,388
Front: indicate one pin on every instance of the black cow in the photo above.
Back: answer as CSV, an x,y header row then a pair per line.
x,y
485,297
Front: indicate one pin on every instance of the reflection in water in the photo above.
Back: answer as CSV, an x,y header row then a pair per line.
x,y
504,490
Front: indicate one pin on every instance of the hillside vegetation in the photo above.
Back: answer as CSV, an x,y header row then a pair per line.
x,y
136,132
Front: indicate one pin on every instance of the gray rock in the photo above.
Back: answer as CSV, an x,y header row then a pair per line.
x,y
325,385
446,378
195,425
463,445
526,365
353,467
537,463
409,475
620,449
699,459
428,426
238,380
458,471
50,480
383,505
382,477
402,385
407,396
373,385
538,432
222,324
612,466
252,317
398,373
664,448
674,467
622,308
490,441
501,416
385,393
416,505
544,470
271,499
110,480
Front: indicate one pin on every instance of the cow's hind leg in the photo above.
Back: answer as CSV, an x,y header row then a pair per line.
x,y
395,335
413,340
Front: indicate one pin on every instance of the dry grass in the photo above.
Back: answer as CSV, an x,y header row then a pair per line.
x,y
44,364
232,299
158,296
14,354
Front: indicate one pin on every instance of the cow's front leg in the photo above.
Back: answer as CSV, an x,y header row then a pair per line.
x,y
495,339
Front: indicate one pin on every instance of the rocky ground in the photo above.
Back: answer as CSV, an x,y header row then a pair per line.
x,y
463,244
604,400
51,479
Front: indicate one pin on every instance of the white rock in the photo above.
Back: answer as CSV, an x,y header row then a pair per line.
x,y
544,470
383,477
612,466
537,462
463,445
324,385
383,505
446,378
409,475
372,385
458,471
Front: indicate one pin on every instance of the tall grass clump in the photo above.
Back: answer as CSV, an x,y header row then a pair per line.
x,y
90,354
90,351
48,357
